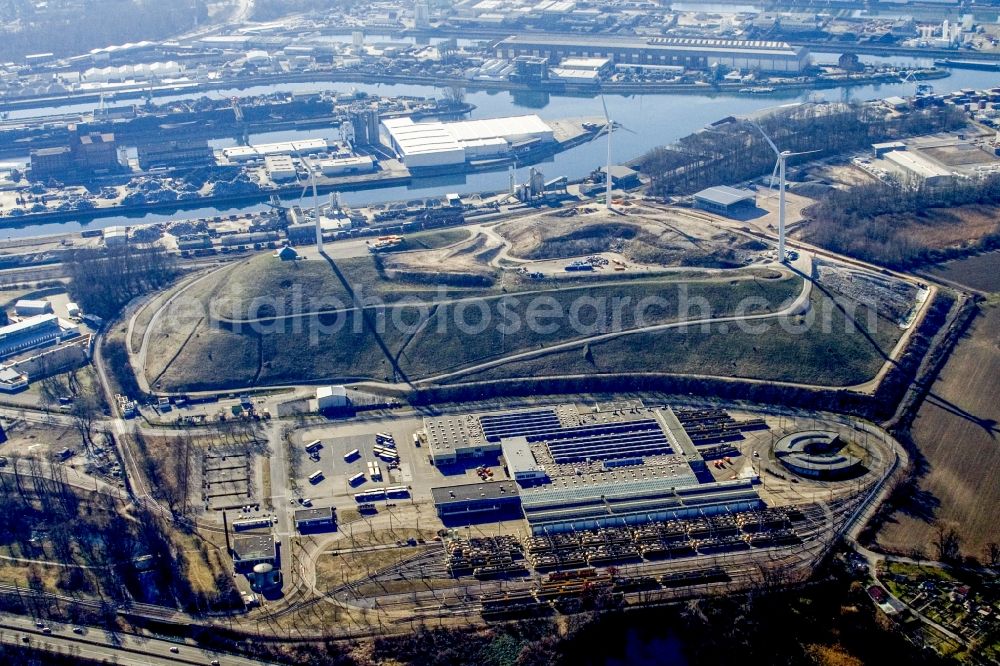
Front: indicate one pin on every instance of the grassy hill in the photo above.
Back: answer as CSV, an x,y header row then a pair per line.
x,y
789,349
415,340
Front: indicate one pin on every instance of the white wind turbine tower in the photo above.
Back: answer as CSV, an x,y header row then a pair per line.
x,y
610,126
312,181
779,169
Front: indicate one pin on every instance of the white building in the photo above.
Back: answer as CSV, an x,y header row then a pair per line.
x,y
343,166
115,236
586,76
30,308
238,154
520,461
34,332
917,167
331,397
280,167
432,144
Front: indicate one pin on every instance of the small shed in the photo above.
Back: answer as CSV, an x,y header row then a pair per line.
x,y
331,397
287,253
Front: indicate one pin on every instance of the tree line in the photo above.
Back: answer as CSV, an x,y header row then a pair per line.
x,y
875,221
735,151
102,281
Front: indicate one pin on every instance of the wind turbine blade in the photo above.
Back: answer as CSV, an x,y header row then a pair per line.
x,y
774,176
604,104
627,129
807,152
766,138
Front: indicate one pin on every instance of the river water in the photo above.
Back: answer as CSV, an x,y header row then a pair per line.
x,y
650,120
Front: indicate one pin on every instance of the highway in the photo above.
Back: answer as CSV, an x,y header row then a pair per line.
x,y
98,645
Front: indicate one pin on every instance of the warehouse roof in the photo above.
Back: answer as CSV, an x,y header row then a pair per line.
x,y
330,391
723,195
414,138
32,304
584,63
313,515
917,163
517,454
28,324
254,547
658,43
474,491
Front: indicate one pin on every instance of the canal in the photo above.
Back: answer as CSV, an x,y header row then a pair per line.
x,y
648,121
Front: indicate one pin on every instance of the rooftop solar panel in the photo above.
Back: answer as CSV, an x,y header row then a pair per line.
x,y
519,424
605,441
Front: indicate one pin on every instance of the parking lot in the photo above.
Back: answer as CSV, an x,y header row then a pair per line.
x,y
415,470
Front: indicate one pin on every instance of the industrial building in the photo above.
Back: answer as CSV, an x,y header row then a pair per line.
x,y
691,53
520,461
581,70
915,166
365,126
816,454
253,549
115,236
331,397
240,154
345,166
302,227
174,153
436,144
12,381
86,155
35,332
622,177
725,200
280,168
579,469
29,308
472,501
635,501
314,519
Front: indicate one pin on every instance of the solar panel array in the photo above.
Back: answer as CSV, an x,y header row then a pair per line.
x,y
610,440
519,424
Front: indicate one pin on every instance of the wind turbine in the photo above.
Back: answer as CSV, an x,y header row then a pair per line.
x,y
779,169
607,173
312,181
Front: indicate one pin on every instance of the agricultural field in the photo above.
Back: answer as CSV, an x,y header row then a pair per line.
x,y
956,431
981,271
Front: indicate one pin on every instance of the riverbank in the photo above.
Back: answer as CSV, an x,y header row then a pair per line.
x,y
550,87
395,175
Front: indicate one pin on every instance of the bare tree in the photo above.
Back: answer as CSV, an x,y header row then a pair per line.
x,y
86,411
991,554
948,543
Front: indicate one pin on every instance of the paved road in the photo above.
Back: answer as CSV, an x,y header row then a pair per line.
x,y
120,648
139,365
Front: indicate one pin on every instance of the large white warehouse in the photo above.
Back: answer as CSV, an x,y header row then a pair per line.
x,y
433,144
